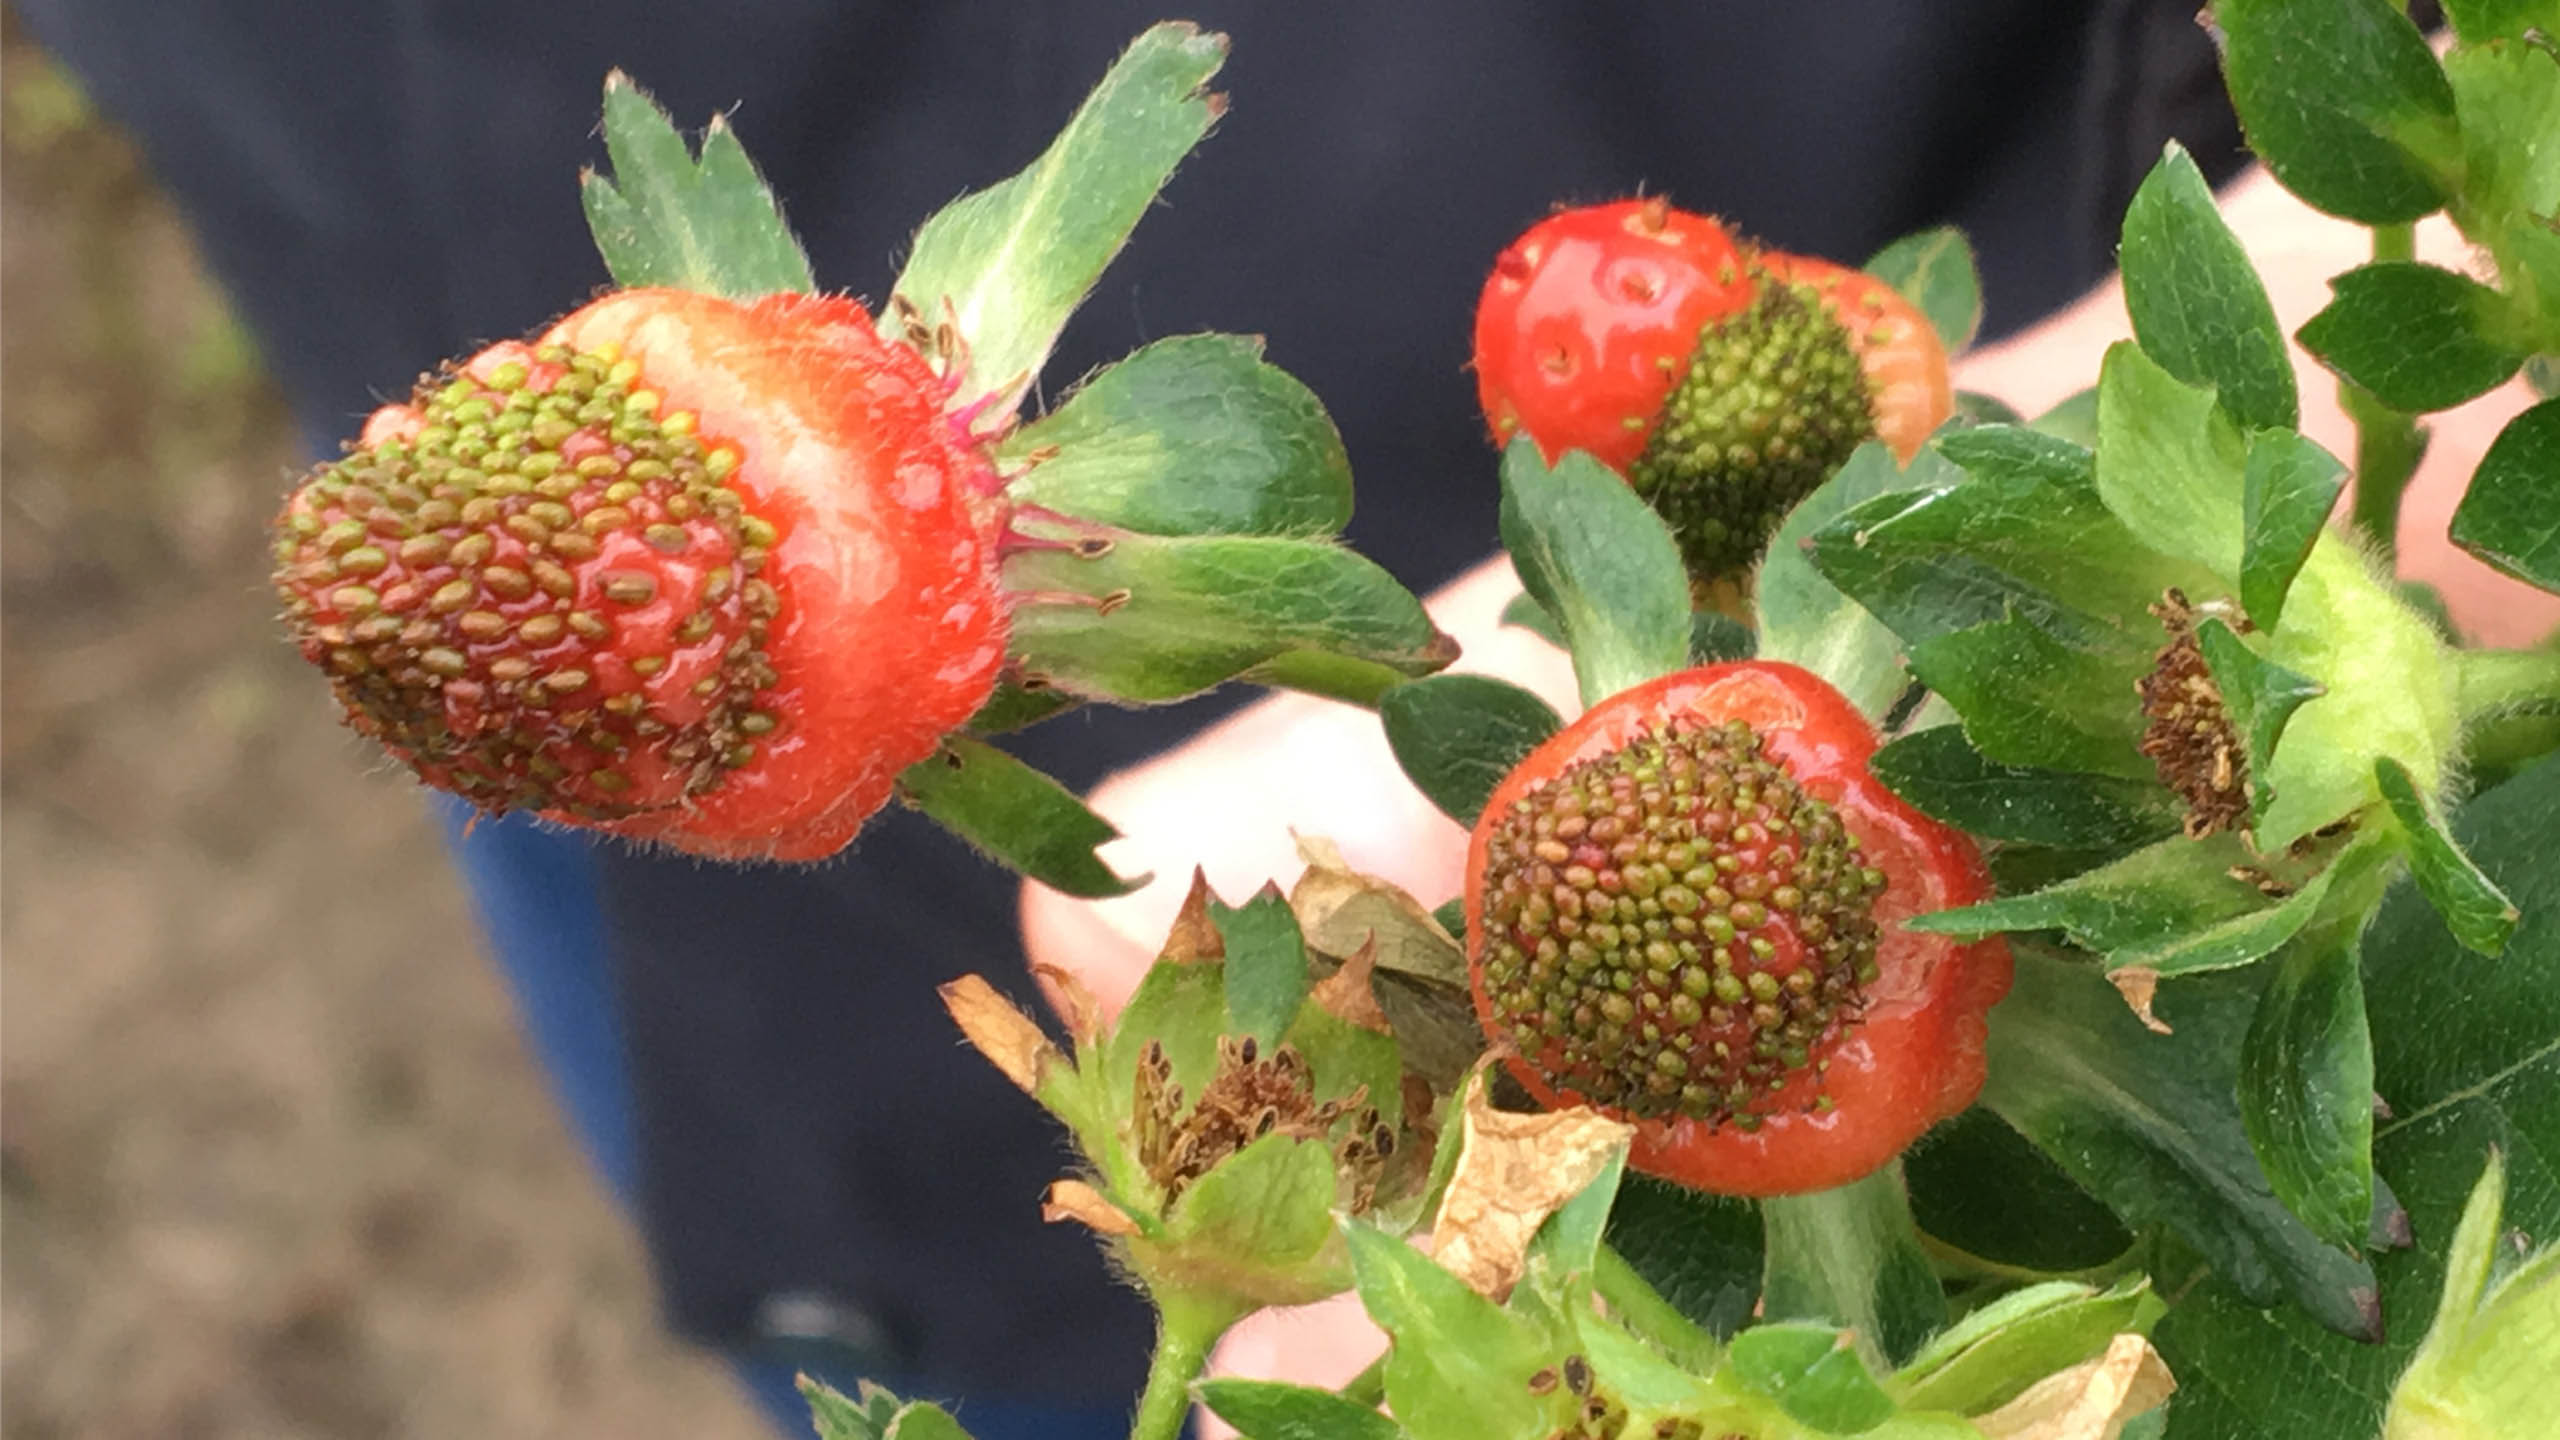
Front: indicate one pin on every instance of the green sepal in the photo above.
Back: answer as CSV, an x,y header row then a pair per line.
x,y
1938,771
1524,612
1934,270
2148,1123
2075,715
2196,302
1266,964
667,218
1143,619
2483,1372
2286,493
876,1415
2260,697
1005,266
2074,417
1195,435
2477,21
1460,1365
2306,1085
1457,736
1987,1358
1599,560
1275,1410
2510,517
2418,337
2343,101
2170,462
1014,815
2477,912
1815,1373
1805,616
1258,1229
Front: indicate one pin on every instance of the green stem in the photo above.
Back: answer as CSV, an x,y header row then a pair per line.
x,y
1369,1387
2389,442
1852,1257
1185,1330
2500,682
1642,1309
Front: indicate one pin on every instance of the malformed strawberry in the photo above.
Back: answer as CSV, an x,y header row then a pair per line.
x,y
1685,909
699,572
1724,381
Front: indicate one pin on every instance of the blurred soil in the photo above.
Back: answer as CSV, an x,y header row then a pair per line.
x,y
275,1163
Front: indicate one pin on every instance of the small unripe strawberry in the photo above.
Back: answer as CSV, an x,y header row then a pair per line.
x,y
700,572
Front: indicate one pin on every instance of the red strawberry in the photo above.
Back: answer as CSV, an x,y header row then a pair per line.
x,y
685,569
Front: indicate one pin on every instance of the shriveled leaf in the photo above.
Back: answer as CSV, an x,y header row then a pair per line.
x,y
1076,1201
997,1028
1934,270
1274,1410
1342,911
1936,770
2478,913
2306,1086
1513,1171
2196,302
2343,101
1014,815
1266,964
2092,1400
2170,463
1145,619
1196,435
1598,559
1005,266
1808,619
2467,1058
668,218
2260,696
2419,337
2286,494
2148,1123
2510,517
1457,736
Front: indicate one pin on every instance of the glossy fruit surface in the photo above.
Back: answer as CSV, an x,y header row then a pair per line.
x,y
1685,908
1589,318
695,571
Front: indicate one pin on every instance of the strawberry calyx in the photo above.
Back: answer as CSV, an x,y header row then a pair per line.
x,y
532,582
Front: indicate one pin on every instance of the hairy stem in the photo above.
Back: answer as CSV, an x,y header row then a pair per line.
x,y
1642,1308
2389,443
1185,1330
1851,1257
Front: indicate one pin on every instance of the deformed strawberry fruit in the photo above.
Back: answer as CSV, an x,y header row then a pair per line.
x,y
1685,910
695,571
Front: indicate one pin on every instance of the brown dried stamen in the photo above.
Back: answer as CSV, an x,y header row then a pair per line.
x,y
1250,1095
2189,737
1677,927
546,596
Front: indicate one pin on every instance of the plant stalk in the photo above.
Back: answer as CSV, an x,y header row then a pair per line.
x,y
2389,443
1851,1256
1643,1309
1185,1331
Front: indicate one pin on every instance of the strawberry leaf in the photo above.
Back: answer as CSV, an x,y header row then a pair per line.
x,y
1936,770
1190,436
1460,1364
1014,815
1005,266
1274,1410
1701,1252
2286,493
2196,302
2170,462
1144,619
1981,1188
1983,1360
2074,715
1934,270
2510,517
2419,337
2466,1055
1457,735
1598,559
2343,101
2306,1086
668,218
2474,909
2148,1123
1809,619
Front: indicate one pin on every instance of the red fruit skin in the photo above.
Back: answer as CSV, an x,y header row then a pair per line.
x,y
1914,1056
891,626
1589,318
1905,364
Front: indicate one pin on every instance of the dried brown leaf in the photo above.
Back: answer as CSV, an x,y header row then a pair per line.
x,y
1075,1200
1512,1174
1194,936
1009,1039
1341,910
2091,1400
2138,984
1348,995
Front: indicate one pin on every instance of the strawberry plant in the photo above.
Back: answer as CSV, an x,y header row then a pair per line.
x,y
2034,932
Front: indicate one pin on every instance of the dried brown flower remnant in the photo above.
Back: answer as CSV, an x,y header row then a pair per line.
x,y
2190,738
1251,1094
